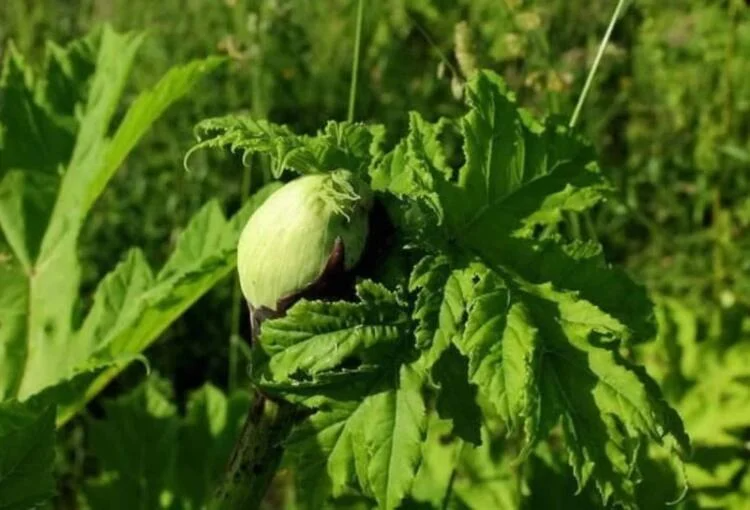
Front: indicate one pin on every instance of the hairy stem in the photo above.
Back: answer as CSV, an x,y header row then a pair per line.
x,y
256,456
258,451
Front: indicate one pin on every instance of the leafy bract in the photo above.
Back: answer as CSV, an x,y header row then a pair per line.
x,y
59,150
151,457
347,145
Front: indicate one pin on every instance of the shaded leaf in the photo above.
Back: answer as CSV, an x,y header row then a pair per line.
x,y
27,449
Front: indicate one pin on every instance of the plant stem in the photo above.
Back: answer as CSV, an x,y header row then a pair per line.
x,y
256,456
572,219
258,451
597,60
355,60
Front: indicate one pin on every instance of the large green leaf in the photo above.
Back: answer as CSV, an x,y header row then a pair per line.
x,y
133,306
538,320
542,358
61,154
518,176
372,445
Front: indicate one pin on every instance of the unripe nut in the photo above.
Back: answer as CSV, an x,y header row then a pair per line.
x,y
287,243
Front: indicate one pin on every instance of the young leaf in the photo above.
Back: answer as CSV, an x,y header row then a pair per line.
x,y
316,336
367,425
372,445
339,145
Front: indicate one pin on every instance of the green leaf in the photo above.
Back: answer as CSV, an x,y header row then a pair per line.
x,y
501,343
27,449
35,145
132,307
206,436
317,336
47,290
603,401
114,300
56,133
27,442
136,447
371,445
519,175
320,451
67,71
351,146
151,457
411,168
365,432
144,111
91,147
541,357
395,426
442,299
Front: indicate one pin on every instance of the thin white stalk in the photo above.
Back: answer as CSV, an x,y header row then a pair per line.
x,y
597,60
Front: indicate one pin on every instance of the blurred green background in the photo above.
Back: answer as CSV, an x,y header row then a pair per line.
x,y
669,113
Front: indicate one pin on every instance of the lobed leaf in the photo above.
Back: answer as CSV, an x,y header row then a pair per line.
x,y
316,336
60,155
